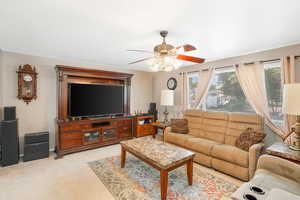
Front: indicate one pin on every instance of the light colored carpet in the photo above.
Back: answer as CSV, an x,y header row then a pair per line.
x,y
69,178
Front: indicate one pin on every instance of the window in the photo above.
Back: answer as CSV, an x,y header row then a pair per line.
x,y
225,94
193,79
274,91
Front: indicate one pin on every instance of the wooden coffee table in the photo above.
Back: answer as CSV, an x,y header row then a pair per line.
x,y
162,156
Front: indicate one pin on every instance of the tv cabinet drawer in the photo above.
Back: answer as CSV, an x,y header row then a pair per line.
x,y
143,130
114,123
124,128
148,128
70,140
85,126
70,128
125,134
125,122
125,131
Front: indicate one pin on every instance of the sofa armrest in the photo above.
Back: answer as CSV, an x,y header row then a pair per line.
x,y
254,153
280,167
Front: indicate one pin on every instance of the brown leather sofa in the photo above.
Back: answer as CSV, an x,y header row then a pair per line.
x,y
212,136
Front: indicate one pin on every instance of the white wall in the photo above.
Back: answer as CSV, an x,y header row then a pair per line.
x,y
40,114
160,78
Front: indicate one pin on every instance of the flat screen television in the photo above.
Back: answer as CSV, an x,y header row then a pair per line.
x,y
88,100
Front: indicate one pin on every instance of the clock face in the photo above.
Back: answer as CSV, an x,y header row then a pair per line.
x,y
172,83
27,78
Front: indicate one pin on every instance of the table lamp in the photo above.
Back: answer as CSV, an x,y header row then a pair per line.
x,y
167,99
291,106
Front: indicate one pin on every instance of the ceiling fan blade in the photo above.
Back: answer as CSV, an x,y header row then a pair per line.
x,y
142,51
190,58
142,60
187,47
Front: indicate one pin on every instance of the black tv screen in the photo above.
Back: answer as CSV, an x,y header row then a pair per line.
x,y
95,100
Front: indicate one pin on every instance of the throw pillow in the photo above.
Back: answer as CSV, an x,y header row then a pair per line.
x,y
179,126
248,138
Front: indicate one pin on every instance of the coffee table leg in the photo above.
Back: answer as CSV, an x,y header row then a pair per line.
x,y
123,156
189,171
163,184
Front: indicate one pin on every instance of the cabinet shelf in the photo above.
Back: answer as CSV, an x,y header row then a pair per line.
x,y
143,125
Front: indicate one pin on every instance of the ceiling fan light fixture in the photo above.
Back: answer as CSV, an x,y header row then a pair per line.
x,y
167,57
154,68
169,68
164,63
180,50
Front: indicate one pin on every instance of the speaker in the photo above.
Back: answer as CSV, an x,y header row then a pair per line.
x,y
9,141
36,146
10,113
152,106
152,110
36,137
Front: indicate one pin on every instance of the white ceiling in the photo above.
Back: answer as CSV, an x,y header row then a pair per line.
x,y
100,31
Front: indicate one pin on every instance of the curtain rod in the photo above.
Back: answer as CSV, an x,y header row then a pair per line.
x,y
248,63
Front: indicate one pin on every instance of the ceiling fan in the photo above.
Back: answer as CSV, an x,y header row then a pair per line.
x,y
165,50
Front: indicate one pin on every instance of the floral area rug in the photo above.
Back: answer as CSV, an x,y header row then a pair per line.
x,y
140,181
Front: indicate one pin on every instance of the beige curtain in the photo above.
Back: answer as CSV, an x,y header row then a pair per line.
x,y
205,78
288,76
184,88
252,80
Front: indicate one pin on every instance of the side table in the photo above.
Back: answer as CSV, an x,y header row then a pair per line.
x,y
159,125
282,150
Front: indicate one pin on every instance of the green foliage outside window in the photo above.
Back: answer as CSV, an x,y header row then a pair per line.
x,y
226,94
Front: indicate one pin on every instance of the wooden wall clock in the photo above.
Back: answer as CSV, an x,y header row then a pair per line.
x,y
27,81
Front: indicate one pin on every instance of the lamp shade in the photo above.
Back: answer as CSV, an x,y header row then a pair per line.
x,y
291,99
167,98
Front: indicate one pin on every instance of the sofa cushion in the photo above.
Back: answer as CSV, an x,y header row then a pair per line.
x,y
177,138
248,138
193,113
231,154
195,126
214,126
195,119
238,122
194,122
200,145
230,168
179,126
215,115
203,159
196,132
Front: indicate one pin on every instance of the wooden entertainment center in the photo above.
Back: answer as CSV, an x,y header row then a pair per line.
x,y
78,134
